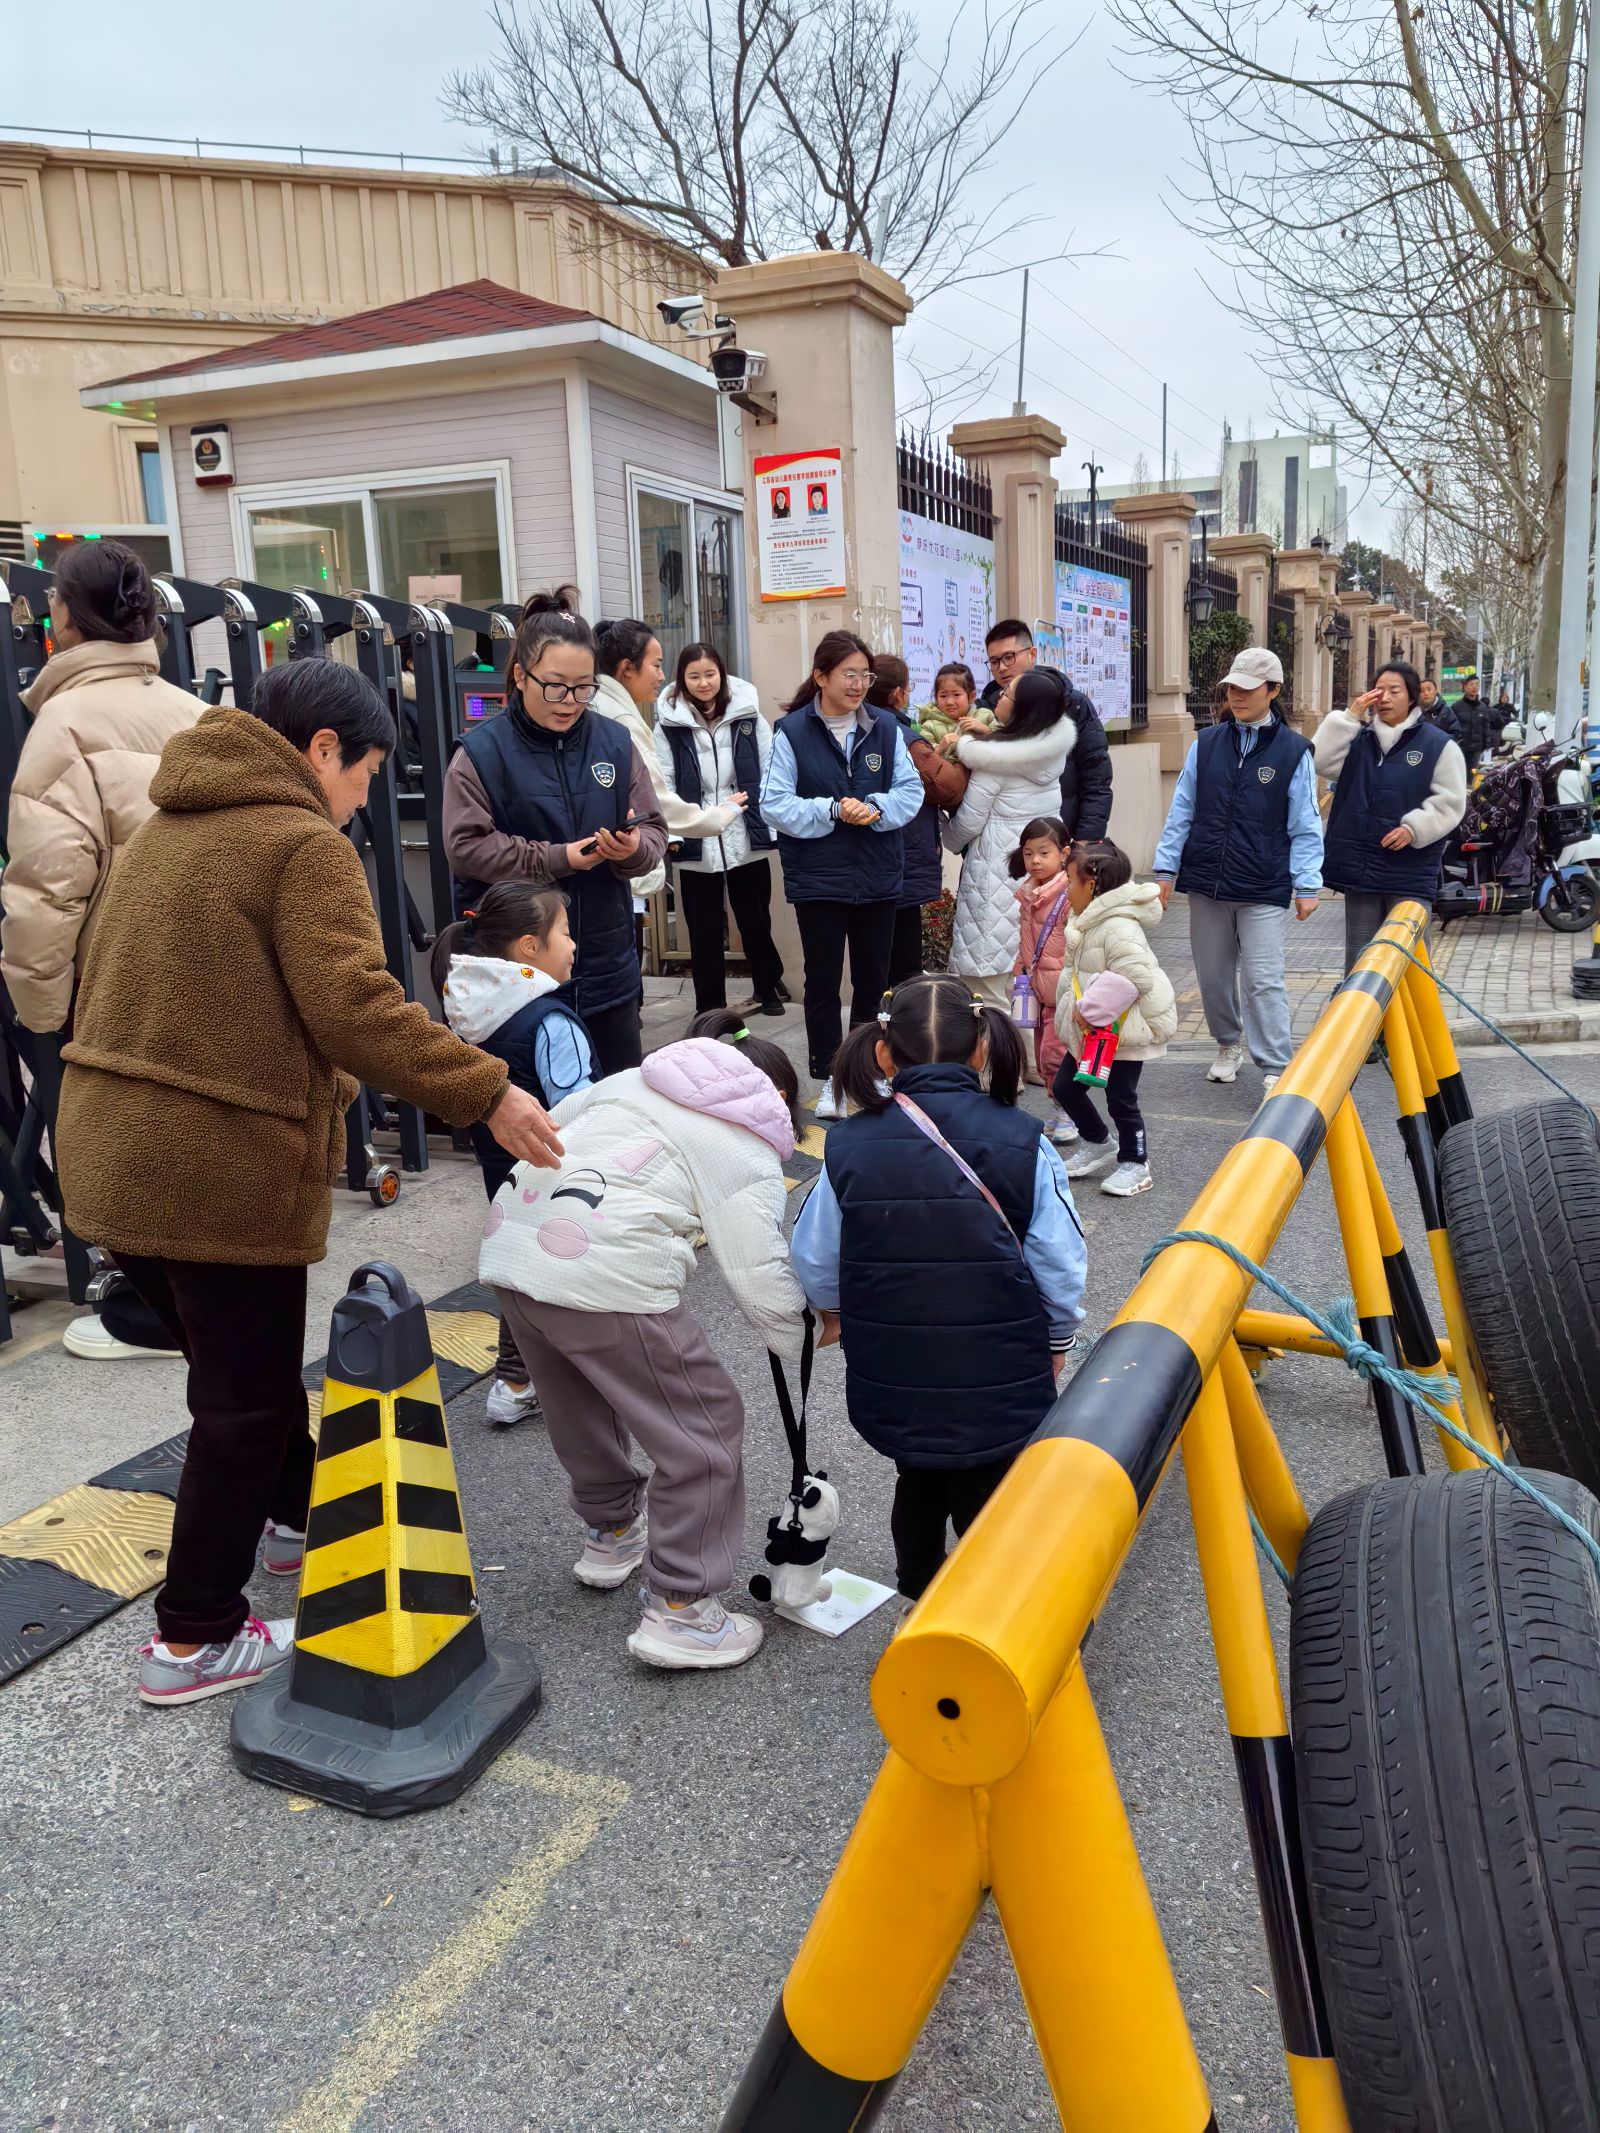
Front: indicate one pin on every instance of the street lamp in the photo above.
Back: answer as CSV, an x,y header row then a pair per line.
x,y
1333,631
1200,600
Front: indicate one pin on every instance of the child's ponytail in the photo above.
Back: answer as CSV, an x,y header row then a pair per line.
x,y
928,1021
767,1058
508,911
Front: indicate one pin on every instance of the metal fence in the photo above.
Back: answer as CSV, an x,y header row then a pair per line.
x,y
1101,542
935,484
1281,638
1210,650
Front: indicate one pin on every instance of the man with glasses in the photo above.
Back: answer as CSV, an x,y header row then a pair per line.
x,y
1086,781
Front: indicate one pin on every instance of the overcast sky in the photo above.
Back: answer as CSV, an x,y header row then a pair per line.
x,y
1097,155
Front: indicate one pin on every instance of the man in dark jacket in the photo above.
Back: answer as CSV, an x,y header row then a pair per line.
x,y
1086,780
1476,728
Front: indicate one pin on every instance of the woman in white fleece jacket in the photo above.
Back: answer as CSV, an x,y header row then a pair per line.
x,y
1399,789
590,1266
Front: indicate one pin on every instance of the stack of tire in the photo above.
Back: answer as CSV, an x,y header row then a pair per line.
x,y
1586,978
1445,1667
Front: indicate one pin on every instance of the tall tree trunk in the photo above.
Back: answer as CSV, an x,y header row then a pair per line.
x,y
1555,344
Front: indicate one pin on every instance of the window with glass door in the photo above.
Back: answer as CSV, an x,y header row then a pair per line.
x,y
687,570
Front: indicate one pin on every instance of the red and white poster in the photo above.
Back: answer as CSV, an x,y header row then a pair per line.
x,y
800,524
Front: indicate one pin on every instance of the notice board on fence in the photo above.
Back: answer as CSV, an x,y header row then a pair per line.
x,y
946,600
800,524
1095,611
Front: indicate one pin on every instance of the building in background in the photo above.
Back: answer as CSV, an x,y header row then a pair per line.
x,y
112,265
1206,489
1286,486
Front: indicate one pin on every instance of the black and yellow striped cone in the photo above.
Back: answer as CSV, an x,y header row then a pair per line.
x,y
393,1699
1586,971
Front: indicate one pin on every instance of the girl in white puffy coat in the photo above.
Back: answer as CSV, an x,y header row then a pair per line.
x,y
1013,777
590,1264
712,748
1111,977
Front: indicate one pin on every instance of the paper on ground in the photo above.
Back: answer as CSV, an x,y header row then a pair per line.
x,y
851,1601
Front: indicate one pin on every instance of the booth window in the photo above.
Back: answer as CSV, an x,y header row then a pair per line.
x,y
402,538
311,545
687,559
445,532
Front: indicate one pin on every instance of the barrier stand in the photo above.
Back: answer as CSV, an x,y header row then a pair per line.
x,y
1438,1046
1405,1062
392,1700
1397,1422
996,1772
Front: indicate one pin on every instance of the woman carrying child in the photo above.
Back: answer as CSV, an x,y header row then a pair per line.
x,y
1115,983
942,1246
1040,864
497,973
590,1266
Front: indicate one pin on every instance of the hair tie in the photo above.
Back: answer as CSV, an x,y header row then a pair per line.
x,y
883,1018
468,917
977,1006
737,1036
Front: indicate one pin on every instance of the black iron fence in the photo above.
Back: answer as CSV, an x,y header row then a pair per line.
x,y
935,484
1281,638
1101,542
1216,629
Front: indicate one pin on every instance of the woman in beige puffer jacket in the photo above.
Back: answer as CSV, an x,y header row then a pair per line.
x,y
101,717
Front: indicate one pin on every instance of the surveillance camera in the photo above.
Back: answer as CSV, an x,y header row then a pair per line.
x,y
678,310
736,369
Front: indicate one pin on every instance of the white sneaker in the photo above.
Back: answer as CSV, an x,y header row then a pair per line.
x,y
1088,1157
282,1550
1128,1179
507,1405
1226,1065
700,1633
215,1668
1268,1083
611,1554
828,1106
1061,1129
91,1338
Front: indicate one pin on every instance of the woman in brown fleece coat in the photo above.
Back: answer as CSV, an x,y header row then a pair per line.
x,y
235,994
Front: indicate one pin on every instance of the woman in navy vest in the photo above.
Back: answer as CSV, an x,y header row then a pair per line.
x,y
551,791
942,1247
712,747
1400,788
839,790
924,868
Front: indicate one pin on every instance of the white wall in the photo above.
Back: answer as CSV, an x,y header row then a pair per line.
x,y
655,440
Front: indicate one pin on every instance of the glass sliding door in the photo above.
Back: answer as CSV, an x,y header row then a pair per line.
x,y
719,610
688,561
666,576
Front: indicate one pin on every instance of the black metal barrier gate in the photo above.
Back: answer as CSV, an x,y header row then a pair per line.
x,y
387,641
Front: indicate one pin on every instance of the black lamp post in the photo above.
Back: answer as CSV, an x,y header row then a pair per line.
x,y
1202,600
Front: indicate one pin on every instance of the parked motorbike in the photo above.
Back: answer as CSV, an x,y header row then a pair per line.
x,y
1526,842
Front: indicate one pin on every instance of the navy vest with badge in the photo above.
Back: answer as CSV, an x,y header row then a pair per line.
x,y
851,864
684,744
946,1343
515,1042
559,788
924,850
1371,795
1238,845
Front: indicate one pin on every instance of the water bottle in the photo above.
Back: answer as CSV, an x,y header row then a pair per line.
x,y
1024,1002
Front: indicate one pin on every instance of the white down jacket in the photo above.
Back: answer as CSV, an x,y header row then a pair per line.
x,y
714,747
615,702
1011,782
695,1139
1114,934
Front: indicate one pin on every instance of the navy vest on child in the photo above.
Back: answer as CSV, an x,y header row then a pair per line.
x,y
851,865
559,788
1371,794
514,1042
946,1342
1237,849
684,744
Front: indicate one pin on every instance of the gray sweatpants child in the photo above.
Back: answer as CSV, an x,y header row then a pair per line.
x,y
609,1380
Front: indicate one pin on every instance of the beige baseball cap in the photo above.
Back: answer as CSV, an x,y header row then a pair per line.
x,y
1252,667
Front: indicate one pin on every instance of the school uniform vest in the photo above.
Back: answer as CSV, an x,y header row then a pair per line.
x,y
1372,793
684,744
514,1042
559,788
1238,845
924,852
852,864
947,1347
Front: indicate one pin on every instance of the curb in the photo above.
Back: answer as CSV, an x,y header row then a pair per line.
x,y
1577,1024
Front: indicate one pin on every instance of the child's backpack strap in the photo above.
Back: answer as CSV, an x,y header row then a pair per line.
x,y
794,1426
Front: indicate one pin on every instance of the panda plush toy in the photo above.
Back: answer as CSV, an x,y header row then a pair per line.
x,y
797,1541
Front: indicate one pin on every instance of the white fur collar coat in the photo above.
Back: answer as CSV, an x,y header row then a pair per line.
x,y
1011,782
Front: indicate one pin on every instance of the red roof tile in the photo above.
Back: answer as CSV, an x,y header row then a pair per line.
x,y
473,307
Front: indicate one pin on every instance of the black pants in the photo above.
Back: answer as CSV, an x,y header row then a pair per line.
x,y
925,1497
905,954
826,930
1122,1101
243,1329
750,899
614,1032
497,1165
1364,914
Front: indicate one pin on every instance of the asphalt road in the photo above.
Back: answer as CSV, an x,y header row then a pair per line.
x,y
592,1938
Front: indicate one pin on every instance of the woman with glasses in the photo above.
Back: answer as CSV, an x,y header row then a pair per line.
x,y
839,790
552,791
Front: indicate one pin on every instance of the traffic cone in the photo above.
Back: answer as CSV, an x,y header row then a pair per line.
x,y
393,1699
1586,971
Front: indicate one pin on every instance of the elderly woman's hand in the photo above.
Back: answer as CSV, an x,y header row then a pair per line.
x,y
524,1129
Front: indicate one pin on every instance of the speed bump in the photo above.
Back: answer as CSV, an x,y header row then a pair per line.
x,y
393,1699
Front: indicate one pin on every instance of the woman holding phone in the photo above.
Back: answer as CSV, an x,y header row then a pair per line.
x,y
553,791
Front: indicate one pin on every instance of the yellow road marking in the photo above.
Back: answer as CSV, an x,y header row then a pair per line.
x,y
398,2031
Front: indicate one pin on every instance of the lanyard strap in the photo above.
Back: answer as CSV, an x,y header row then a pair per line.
x,y
924,1124
794,1426
1044,934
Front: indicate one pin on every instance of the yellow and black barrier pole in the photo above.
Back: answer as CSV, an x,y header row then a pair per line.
x,y
981,1691
1423,998
393,1699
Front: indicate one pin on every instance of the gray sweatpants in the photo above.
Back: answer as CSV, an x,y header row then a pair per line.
x,y
1364,914
608,1377
1238,959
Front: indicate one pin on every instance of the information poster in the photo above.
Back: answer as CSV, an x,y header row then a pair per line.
x,y
800,524
1094,609
946,600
